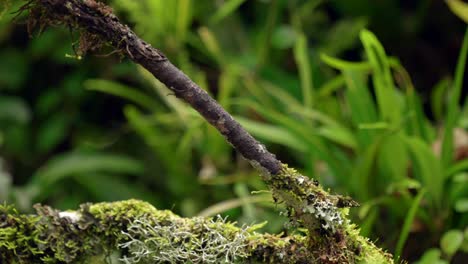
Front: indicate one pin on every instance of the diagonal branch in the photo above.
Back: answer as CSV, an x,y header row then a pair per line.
x,y
99,20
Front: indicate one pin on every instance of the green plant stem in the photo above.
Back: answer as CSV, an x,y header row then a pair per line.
x,y
453,106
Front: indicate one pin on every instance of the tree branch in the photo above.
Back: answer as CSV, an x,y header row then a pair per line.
x,y
99,20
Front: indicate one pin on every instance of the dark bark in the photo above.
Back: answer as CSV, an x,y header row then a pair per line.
x,y
98,19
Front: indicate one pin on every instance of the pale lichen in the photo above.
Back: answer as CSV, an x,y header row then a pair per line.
x,y
332,238
197,240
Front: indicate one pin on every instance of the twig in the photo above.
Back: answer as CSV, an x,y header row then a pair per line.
x,y
98,19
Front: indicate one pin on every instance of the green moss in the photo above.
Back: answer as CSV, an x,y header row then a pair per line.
x,y
332,238
20,236
57,237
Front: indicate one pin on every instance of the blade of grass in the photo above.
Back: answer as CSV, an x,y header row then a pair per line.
x,y
453,107
455,168
228,8
416,114
427,168
392,160
438,98
265,45
211,44
233,203
301,55
459,8
345,65
339,135
248,210
362,107
405,230
95,183
258,89
389,106
70,164
331,86
283,96
363,170
271,133
227,85
184,18
120,90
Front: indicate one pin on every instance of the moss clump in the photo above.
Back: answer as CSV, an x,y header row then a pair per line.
x,y
51,236
332,238
20,236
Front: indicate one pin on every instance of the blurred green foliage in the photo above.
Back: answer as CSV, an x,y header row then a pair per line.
x,y
102,129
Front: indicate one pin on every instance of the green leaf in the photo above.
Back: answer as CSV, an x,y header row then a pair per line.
x,y
338,135
98,184
331,86
427,168
459,8
342,35
256,227
75,163
362,107
184,18
388,103
211,44
453,107
14,109
52,131
451,241
228,8
457,167
328,127
461,205
432,256
407,224
439,97
275,134
120,90
345,65
460,178
362,172
392,159
227,85
284,37
403,185
301,55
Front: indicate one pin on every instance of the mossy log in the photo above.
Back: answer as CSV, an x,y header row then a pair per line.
x,y
135,232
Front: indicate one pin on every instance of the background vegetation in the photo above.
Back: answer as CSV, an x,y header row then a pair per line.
x,y
304,77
